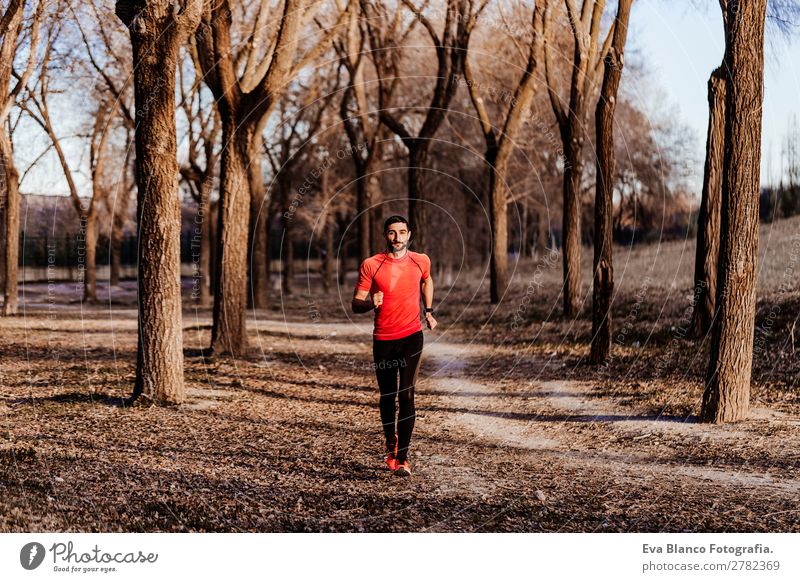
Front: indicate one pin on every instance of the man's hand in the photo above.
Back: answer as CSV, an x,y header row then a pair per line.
x,y
377,299
430,320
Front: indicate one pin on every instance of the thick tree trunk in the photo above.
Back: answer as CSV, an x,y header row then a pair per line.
x,y
11,211
259,206
603,283
707,251
727,394
498,215
571,220
90,242
156,36
229,331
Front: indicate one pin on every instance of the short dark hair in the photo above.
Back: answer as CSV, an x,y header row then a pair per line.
x,y
393,219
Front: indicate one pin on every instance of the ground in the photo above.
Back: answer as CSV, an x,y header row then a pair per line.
x,y
514,431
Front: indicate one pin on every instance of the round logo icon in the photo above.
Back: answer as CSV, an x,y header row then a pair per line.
x,y
31,555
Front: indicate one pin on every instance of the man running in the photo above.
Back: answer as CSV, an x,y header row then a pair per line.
x,y
390,284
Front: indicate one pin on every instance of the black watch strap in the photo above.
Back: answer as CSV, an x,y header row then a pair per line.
x,y
429,310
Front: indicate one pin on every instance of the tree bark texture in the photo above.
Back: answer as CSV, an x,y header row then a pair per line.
x,y
707,251
603,283
727,394
156,31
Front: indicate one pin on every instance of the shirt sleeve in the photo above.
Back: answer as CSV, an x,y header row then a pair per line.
x,y
364,277
426,267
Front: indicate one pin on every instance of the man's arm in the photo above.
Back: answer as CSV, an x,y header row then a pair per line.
x,y
427,291
362,302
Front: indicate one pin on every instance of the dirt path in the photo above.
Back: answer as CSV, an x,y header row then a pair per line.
x,y
562,401
570,438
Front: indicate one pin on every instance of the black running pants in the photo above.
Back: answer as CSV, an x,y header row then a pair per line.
x,y
393,357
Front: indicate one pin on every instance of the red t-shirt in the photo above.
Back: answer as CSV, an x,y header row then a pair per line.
x,y
399,279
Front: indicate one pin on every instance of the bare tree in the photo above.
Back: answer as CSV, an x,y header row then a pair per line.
x,y
727,394
450,50
117,207
244,102
107,57
99,136
11,27
362,127
157,29
500,147
588,54
603,284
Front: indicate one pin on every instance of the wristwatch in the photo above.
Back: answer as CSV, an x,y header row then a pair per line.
x,y
429,310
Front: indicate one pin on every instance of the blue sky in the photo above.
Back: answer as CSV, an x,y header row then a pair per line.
x,y
682,42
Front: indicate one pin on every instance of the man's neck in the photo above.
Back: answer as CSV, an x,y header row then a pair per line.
x,y
398,255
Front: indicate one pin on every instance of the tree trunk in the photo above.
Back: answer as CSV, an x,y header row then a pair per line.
x,y
524,233
156,32
727,394
119,217
11,210
3,224
327,262
259,207
341,222
375,197
205,240
287,258
229,331
498,215
116,247
90,242
544,235
213,237
417,160
363,211
571,220
707,251
603,284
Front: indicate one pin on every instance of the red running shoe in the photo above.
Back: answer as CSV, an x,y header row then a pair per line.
x,y
391,456
403,469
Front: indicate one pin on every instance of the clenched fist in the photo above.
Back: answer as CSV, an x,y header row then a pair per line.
x,y
377,299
